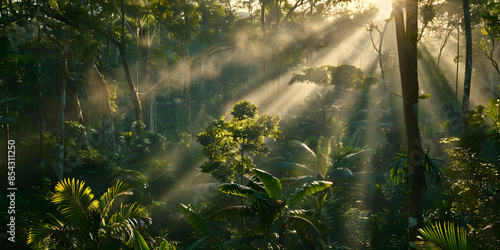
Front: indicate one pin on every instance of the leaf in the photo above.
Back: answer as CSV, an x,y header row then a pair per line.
x,y
355,138
239,190
166,246
199,244
272,184
139,242
40,233
199,226
74,200
303,225
423,97
301,149
107,199
293,168
447,236
308,189
230,212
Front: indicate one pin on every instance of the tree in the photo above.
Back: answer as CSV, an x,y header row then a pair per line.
x,y
407,35
468,64
229,145
87,222
181,18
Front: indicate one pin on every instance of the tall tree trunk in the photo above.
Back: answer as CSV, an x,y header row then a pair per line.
x,y
40,94
60,170
264,40
407,34
468,64
186,79
107,117
76,110
130,81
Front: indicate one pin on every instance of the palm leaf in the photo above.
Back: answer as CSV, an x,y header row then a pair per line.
x,y
119,189
272,184
199,226
447,236
230,212
199,244
74,200
308,189
39,234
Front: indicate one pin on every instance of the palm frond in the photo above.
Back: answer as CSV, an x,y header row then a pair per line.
x,y
40,234
447,236
119,189
74,200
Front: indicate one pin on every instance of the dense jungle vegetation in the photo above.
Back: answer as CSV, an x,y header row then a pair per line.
x,y
259,124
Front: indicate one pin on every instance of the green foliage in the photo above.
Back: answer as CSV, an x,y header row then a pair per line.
x,y
227,145
195,221
345,76
270,205
399,169
87,222
244,110
447,236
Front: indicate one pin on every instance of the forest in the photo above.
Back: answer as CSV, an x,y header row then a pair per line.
x,y
250,124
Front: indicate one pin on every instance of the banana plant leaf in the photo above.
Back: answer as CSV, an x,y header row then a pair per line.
x,y
198,224
271,183
308,189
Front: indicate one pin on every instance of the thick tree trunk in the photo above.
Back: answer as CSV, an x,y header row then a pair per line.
x,y
406,33
468,65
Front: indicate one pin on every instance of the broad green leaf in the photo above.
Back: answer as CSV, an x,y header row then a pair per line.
x,y
423,97
272,184
292,168
200,244
301,224
198,224
308,189
166,246
240,190
139,242
230,212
